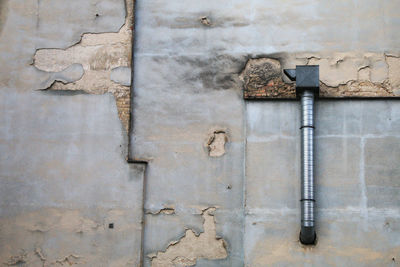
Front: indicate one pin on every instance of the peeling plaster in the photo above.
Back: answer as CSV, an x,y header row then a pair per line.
x,y
262,78
344,74
340,68
188,249
394,72
121,75
364,74
70,74
216,143
105,59
31,235
70,260
17,259
205,21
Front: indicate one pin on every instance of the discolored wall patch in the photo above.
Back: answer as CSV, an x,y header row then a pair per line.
x,y
342,74
106,62
188,249
262,78
216,143
3,13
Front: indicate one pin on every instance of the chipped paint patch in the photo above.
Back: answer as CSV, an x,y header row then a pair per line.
x,y
64,237
262,78
394,72
191,247
216,143
17,259
70,260
205,21
105,59
344,74
70,74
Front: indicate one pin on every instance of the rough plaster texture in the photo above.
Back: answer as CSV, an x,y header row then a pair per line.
x,y
191,62
191,247
105,59
63,174
351,74
60,189
216,143
181,173
255,27
262,78
357,192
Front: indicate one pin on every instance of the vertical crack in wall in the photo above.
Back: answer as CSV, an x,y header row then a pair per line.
x,y
191,247
106,62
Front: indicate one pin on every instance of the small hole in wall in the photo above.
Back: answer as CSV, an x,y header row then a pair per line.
x,y
393,259
97,15
111,225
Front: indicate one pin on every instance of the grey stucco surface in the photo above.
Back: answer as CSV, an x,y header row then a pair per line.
x,y
67,179
357,192
180,173
186,83
64,177
255,26
63,173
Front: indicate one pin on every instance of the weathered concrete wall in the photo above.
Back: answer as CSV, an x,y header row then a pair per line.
x,y
190,72
104,60
177,138
221,187
351,74
357,188
63,181
67,194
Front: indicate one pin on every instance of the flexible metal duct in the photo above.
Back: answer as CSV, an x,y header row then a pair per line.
x,y
307,234
307,88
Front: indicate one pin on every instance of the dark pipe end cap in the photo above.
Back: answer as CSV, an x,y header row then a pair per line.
x,y
308,236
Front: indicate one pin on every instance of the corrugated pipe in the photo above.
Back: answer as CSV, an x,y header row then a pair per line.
x,y
307,233
307,88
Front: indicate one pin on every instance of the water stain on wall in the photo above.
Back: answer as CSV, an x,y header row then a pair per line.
x,y
3,13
